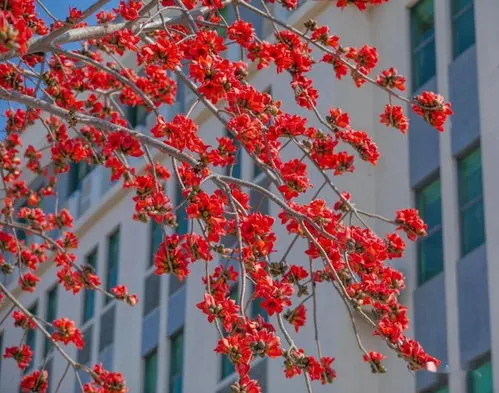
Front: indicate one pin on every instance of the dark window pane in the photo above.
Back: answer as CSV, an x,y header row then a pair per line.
x,y
422,22
473,227
89,296
470,177
463,31
152,293
174,284
471,202
423,64
31,336
182,220
156,238
113,255
151,372
176,362
422,43
85,355
50,315
107,328
459,5
77,172
480,379
431,258
137,115
430,204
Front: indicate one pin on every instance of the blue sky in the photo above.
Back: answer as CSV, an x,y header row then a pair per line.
x,y
60,9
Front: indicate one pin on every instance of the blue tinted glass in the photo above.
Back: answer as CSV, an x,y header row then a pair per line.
x,y
31,336
176,362
51,314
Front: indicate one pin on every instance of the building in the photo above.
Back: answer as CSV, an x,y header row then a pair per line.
x,y
166,345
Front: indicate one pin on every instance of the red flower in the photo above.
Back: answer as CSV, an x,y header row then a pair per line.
x,y
394,116
297,317
391,80
66,332
28,282
121,293
432,108
411,223
36,382
22,355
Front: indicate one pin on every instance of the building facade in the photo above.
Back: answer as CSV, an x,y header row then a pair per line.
x,y
166,345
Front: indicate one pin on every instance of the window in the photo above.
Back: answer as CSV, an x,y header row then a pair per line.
x,y
137,115
227,367
89,295
430,248
1,353
471,201
176,362
151,372
31,336
50,315
235,169
156,238
113,255
422,43
182,220
463,25
480,379
77,172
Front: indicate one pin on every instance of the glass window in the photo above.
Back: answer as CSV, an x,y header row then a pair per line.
x,y
480,379
77,172
89,295
430,248
471,201
176,362
31,336
151,372
1,353
137,115
113,255
156,238
235,170
422,43
50,315
182,220
463,25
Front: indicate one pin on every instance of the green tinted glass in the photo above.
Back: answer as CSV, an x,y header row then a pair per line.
x,y
463,31
470,177
422,43
431,258
151,372
89,297
31,335
472,227
113,254
480,379
422,22
430,204
176,361
471,202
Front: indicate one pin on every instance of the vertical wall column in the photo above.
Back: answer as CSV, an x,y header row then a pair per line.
x,y
450,202
487,38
